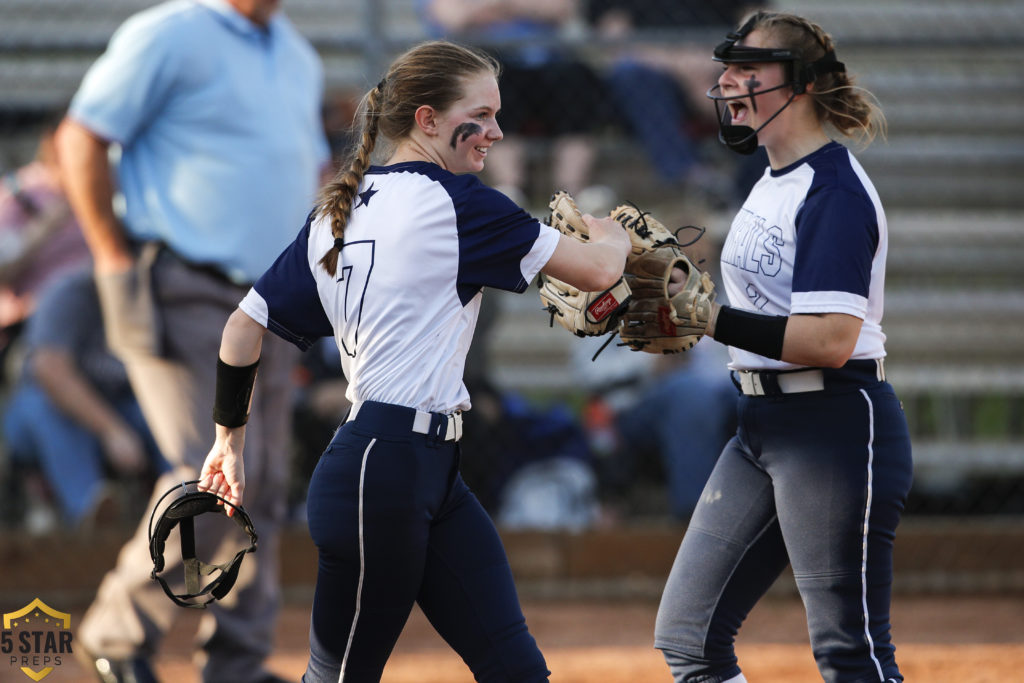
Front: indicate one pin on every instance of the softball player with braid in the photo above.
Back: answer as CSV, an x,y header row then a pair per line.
x,y
391,263
819,469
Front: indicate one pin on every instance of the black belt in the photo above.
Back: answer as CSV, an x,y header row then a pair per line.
x,y
206,268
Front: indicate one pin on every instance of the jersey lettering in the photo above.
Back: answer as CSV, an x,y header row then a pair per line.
x,y
769,256
753,247
755,296
358,260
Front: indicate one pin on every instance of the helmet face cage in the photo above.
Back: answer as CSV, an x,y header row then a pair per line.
x,y
798,74
180,512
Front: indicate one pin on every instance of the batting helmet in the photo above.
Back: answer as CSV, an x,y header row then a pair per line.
x,y
799,74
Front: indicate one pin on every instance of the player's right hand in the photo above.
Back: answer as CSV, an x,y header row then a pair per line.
x,y
608,230
223,473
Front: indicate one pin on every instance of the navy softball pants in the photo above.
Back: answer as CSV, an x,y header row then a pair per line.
x,y
817,480
394,525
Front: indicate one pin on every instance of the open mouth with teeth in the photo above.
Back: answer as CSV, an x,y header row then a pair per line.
x,y
738,111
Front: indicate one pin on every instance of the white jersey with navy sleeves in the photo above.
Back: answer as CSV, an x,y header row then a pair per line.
x,y
420,245
810,238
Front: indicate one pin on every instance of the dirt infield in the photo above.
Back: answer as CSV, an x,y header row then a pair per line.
x,y
939,640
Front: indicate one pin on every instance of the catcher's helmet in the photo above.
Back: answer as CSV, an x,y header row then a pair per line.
x,y
799,73
180,512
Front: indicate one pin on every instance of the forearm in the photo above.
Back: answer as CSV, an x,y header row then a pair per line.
x,y
607,261
591,267
463,15
237,364
554,11
819,340
72,393
86,175
822,340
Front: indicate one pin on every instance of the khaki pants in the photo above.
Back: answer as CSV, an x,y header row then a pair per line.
x,y
164,320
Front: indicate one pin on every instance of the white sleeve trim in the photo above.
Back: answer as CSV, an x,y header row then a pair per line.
x,y
255,306
540,254
829,302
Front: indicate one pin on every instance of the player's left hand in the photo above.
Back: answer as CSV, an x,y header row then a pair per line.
x,y
671,297
676,281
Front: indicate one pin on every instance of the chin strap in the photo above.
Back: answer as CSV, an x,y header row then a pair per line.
x,y
181,513
194,568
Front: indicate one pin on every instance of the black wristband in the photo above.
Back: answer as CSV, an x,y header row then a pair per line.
x,y
234,392
755,332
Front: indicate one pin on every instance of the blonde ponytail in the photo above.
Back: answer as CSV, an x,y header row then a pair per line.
x,y
850,109
337,196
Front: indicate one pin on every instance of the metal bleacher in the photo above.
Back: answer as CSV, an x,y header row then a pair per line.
x,y
951,174
947,74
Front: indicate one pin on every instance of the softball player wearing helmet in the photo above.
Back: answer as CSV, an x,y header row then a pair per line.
x,y
392,263
819,469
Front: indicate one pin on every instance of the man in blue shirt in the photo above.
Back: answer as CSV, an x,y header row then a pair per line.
x,y
215,108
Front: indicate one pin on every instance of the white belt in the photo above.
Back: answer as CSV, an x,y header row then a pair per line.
x,y
751,382
421,422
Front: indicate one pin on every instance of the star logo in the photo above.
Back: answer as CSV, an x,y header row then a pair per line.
x,y
365,195
37,637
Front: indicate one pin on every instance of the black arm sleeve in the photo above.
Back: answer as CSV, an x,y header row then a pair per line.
x,y
755,332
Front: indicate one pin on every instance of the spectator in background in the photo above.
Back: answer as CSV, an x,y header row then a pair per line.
x,y
547,91
216,106
73,413
677,409
39,236
658,89
532,467
683,412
